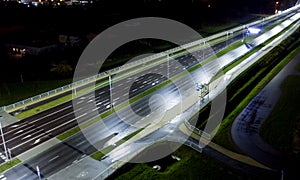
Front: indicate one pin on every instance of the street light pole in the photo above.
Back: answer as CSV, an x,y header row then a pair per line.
x,y
38,172
3,140
168,68
243,33
110,90
75,91
227,38
203,49
9,152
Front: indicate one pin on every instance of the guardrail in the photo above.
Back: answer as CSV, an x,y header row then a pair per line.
x,y
50,93
197,130
26,102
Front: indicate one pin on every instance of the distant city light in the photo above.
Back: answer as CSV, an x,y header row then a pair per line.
x,y
253,30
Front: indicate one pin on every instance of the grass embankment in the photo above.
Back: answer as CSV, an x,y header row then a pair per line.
x,y
282,127
298,67
192,165
257,77
14,92
9,164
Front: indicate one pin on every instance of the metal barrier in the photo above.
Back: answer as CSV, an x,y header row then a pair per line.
x,y
50,93
197,130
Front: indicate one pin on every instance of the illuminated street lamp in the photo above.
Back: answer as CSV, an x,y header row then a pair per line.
x,y
227,38
253,30
203,49
38,172
276,7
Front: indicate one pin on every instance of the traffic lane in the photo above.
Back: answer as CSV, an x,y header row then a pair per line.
x,y
52,130
64,154
45,134
38,126
11,133
54,159
44,127
111,125
21,172
51,111
143,81
50,99
98,134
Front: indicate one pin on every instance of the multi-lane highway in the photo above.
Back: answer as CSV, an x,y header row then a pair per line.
x,y
34,130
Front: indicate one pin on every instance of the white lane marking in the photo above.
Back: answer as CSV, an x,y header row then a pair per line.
x,y
20,135
50,114
22,177
81,115
21,144
101,92
53,158
80,143
26,137
32,129
19,131
23,125
79,102
75,161
91,97
106,103
37,141
99,103
95,109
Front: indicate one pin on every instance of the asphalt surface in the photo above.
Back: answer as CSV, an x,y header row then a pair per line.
x,y
34,130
